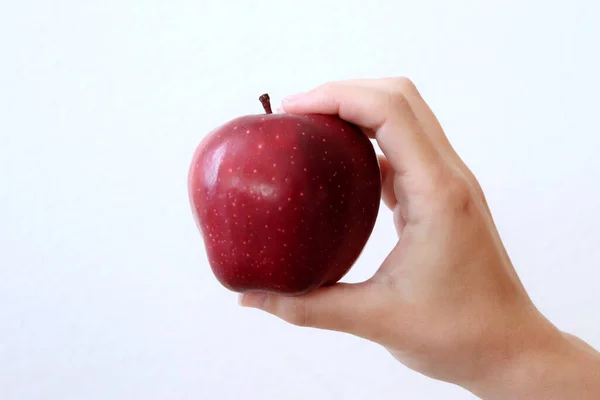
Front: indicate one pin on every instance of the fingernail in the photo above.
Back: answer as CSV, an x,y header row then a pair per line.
x,y
253,300
292,98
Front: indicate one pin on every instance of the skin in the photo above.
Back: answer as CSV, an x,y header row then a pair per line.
x,y
447,301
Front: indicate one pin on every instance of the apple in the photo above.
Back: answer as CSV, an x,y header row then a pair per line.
x,y
284,203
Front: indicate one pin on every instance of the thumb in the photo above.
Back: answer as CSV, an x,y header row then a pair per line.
x,y
350,308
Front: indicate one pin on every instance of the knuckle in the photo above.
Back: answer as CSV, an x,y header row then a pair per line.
x,y
459,197
397,100
478,190
404,84
454,194
476,187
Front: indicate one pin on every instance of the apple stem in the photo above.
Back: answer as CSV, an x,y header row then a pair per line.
x,y
266,103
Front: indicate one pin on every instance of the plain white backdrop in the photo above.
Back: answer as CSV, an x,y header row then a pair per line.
x,y
105,290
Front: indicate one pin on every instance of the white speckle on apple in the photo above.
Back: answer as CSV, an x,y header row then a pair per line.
x,y
305,169
303,133
260,146
254,171
280,208
234,128
327,125
343,130
248,132
274,164
301,193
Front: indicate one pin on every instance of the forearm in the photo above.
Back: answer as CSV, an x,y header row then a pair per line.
x,y
565,367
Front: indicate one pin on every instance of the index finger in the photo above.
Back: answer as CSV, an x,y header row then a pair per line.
x,y
388,114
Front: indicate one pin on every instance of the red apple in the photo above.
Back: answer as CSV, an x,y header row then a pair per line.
x,y
285,203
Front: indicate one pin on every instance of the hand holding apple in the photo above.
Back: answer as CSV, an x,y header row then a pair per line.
x,y
446,301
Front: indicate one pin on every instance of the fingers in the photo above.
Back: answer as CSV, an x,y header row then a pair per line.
x,y
395,125
387,183
388,114
342,307
388,193
424,114
429,123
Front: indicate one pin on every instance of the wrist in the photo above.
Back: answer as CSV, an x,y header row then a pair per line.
x,y
549,364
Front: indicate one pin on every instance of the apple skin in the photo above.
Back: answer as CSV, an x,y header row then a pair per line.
x,y
285,203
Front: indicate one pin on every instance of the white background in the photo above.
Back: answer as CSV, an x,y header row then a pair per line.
x,y
105,291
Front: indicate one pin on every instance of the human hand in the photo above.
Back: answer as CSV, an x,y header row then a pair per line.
x,y
447,301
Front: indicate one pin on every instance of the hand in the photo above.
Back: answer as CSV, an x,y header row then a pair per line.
x,y
447,301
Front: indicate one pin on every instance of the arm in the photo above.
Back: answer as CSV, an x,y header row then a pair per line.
x,y
561,367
